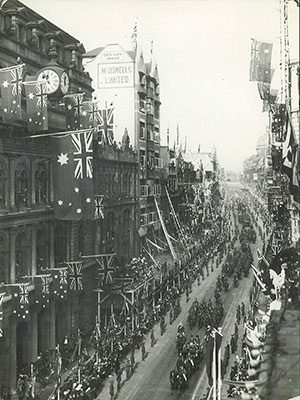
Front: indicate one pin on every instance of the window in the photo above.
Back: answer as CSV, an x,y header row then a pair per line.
x,y
42,249
143,190
142,105
156,110
21,186
156,134
60,242
41,184
142,130
22,254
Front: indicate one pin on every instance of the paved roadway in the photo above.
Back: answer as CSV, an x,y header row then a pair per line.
x,y
150,381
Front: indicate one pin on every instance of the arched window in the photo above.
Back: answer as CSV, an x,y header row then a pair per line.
x,y
3,259
3,185
60,242
22,254
21,186
41,184
42,248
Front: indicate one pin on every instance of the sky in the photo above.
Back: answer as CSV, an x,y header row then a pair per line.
x,y
202,48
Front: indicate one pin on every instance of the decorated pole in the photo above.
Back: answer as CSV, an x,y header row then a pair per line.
x,y
219,368
214,365
99,305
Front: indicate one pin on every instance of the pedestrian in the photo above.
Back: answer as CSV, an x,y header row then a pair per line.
x,y
111,390
117,365
119,379
171,314
143,351
132,359
152,337
232,344
128,368
236,331
243,309
238,315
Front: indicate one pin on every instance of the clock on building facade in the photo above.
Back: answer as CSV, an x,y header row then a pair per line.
x,y
56,79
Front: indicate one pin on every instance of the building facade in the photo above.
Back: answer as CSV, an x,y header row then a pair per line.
x,y
124,82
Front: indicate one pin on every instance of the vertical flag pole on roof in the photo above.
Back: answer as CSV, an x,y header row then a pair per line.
x,y
165,230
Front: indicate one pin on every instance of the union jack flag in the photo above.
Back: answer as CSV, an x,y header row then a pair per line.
x,y
75,275
24,293
16,80
45,284
83,155
276,247
106,269
105,125
99,208
63,276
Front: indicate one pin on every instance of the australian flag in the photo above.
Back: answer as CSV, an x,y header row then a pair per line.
x,y
73,176
260,65
11,89
36,106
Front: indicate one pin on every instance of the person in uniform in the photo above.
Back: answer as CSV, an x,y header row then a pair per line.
x,y
119,379
111,390
143,351
128,368
152,337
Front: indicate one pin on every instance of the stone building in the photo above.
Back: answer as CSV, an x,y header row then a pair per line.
x,y
124,81
31,241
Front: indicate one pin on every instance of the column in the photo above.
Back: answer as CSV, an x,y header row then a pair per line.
x,y
31,200
12,254
33,249
13,359
51,192
34,337
52,327
52,251
12,205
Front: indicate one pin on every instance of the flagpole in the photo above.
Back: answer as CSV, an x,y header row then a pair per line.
x,y
214,369
99,306
219,369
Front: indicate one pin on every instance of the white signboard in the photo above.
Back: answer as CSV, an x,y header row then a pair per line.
x,y
115,75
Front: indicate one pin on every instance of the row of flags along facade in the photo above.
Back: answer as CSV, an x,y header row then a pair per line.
x,y
74,197
282,127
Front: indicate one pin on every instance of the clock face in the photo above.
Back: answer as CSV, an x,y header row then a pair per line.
x,y
64,82
51,78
